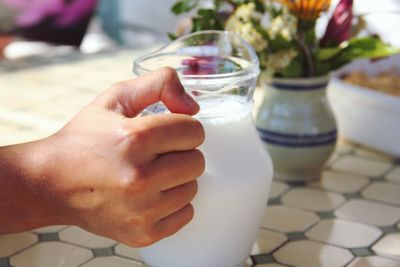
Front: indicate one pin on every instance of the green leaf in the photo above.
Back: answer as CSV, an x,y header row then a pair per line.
x,y
260,5
207,19
366,47
238,2
280,43
183,6
326,53
295,69
171,36
323,67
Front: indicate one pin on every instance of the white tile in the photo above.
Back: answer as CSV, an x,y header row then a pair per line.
x,y
389,246
51,254
76,235
306,253
385,192
341,182
128,252
312,199
394,175
370,168
50,229
286,219
369,212
267,241
277,189
332,159
373,261
112,261
12,243
343,233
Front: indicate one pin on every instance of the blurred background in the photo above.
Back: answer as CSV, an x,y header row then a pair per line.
x,y
96,25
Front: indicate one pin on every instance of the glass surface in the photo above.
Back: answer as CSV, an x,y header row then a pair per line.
x,y
219,69
213,66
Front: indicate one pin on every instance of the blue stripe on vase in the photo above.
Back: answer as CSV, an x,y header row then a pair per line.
x,y
297,87
299,145
297,136
298,140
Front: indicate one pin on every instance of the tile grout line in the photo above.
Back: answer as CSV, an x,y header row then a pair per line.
x,y
83,263
22,250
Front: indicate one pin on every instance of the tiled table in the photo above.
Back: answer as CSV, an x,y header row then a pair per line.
x,y
351,217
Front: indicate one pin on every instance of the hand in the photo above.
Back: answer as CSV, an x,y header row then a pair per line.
x,y
121,176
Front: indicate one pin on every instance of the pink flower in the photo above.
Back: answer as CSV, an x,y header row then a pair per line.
x,y
202,65
74,11
31,12
339,26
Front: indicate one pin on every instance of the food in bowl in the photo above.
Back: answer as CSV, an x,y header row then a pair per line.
x,y
367,116
386,82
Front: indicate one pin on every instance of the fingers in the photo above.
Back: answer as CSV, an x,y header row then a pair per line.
x,y
155,135
174,222
176,198
132,96
177,168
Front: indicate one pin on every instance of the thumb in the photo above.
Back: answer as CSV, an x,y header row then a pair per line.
x,y
132,96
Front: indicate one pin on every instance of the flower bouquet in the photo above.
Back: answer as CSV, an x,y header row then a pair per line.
x,y
283,33
294,119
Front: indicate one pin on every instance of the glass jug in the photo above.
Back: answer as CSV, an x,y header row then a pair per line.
x,y
219,69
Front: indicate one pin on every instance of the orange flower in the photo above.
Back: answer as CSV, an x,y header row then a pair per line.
x,y
306,9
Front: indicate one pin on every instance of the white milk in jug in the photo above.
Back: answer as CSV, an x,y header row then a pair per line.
x,y
232,196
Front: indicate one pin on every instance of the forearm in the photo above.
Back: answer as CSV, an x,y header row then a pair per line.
x,y
25,202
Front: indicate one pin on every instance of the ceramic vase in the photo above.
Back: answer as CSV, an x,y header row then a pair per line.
x,y
297,127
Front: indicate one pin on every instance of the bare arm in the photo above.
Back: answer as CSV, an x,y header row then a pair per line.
x,y
108,171
25,200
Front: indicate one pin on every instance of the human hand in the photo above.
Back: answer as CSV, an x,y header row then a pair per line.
x,y
121,176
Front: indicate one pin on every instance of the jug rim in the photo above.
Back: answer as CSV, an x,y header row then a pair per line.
x,y
252,70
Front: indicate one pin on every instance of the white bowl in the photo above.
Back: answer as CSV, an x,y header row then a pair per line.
x,y
367,116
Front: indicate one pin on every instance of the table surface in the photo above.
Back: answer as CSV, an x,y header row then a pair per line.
x,y
351,217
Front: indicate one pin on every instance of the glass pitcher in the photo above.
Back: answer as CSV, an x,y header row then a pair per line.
x,y
219,69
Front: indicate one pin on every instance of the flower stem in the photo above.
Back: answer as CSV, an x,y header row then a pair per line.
x,y
306,50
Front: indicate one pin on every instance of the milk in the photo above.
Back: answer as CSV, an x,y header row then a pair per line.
x,y
232,194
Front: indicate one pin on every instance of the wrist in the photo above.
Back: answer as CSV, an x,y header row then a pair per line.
x,y
26,188
41,162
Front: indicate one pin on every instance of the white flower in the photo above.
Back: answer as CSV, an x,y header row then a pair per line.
x,y
245,12
278,61
241,23
285,25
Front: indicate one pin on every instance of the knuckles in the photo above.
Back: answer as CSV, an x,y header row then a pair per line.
x,y
118,87
137,180
144,219
168,75
135,135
